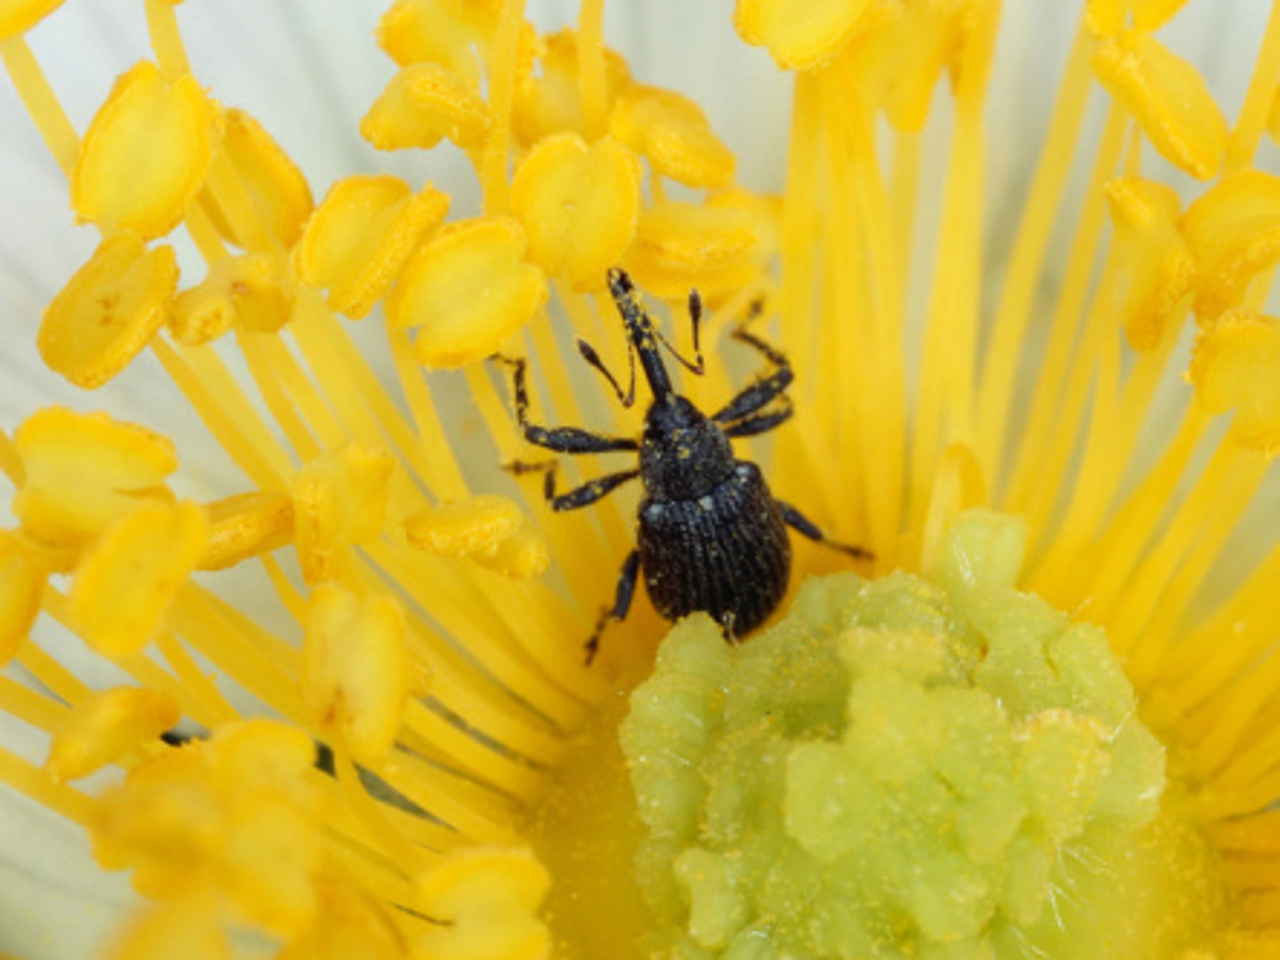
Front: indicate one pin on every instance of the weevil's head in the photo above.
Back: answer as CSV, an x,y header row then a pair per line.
x,y
683,453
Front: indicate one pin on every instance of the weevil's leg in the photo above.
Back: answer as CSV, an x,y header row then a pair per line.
x,y
559,439
760,422
759,393
802,524
581,496
621,602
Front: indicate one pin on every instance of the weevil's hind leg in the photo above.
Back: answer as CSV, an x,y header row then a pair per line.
x,y
559,439
578,497
803,525
621,602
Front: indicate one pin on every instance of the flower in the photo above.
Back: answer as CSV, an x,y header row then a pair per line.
x,y
360,573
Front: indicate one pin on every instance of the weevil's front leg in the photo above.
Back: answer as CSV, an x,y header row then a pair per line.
x,y
621,602
803,525
756,395
560,439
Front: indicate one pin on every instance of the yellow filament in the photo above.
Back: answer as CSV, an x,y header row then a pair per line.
x,y
42,104
216,396
48,672
1042,429
21,702
201,695
166,39
40,787
591,73
494,161
1251,123
1026,261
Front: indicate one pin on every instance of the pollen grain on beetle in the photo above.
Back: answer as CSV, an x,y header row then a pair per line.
x,y
1032,713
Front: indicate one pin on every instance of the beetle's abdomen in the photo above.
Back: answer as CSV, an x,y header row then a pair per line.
x,y
726,553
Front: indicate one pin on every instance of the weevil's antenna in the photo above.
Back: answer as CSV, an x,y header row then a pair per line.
x,y
645,339
589,354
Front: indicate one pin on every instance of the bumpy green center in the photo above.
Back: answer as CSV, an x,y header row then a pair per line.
x,y
909,767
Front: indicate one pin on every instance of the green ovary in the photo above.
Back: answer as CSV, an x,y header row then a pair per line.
x,y
941,768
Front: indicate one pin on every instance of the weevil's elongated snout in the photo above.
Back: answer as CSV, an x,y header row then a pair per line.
x,y
640,330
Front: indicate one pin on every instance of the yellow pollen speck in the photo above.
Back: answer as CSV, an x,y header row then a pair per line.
x,y
130,575
338,499
439,31
107,726
254,292
1167,96
1234,366
469,289
280,194
19,16
471,527
673,132
22,578
1234,232
799,34
679,246
486,898
146,153
109,311
246,525
355,669
63,504
359,237
578,204
423,104
1160,269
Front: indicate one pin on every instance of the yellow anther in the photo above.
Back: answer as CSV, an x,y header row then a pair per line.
x,y
106,727
521,556
355,669
488,898
22,576
246,525
164,821
19,16
146,153
1168,98
1159,270
447,32
469,289
280,193
260,755
129,577
679,246
1234,232
673,132
267,864
358,239
471,527
799,34
109,310
579,206
423,104
84,470
1234,366
338,499
254,292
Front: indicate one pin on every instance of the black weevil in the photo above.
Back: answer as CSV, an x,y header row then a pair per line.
x,y
711,536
